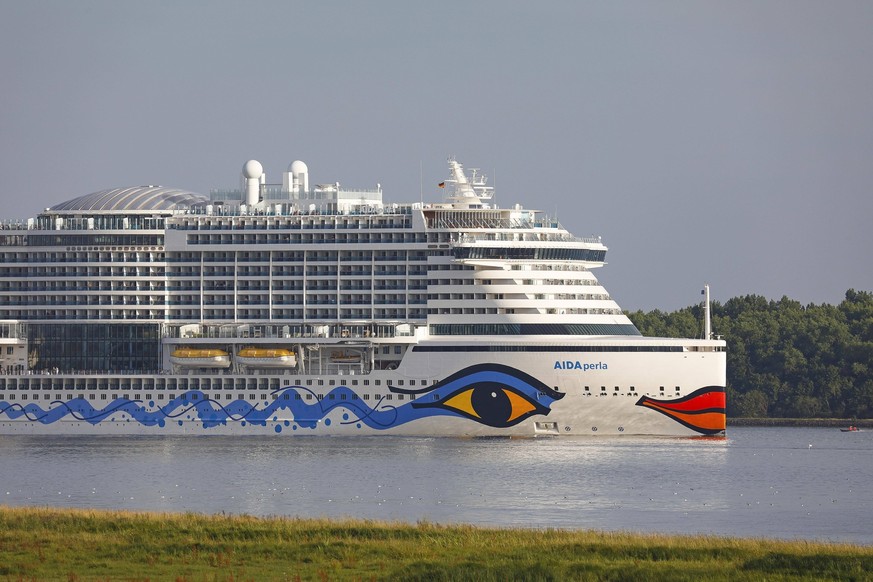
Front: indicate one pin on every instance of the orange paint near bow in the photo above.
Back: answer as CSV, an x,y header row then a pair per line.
x,y
703,410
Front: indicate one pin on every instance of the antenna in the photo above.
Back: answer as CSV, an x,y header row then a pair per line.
x,y
494,185
420,182
707,319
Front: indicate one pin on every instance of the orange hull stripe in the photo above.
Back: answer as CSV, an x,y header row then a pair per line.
x,y
707,420
703,402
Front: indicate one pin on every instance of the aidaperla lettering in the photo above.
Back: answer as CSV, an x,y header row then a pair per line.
x,y
577,365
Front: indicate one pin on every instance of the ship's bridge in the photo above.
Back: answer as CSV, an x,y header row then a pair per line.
x,y
528,253
528,246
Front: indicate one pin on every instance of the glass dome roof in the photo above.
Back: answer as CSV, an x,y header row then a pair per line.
x,y
141,198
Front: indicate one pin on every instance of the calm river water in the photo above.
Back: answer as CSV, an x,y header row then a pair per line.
x,y
811,483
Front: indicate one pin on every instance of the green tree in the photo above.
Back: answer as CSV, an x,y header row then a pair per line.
x,y
752,404
784,358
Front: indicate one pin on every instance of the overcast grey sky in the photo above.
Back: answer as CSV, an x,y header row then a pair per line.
x,y
720,141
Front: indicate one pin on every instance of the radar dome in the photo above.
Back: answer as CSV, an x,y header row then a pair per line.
x,y
297,167
252,169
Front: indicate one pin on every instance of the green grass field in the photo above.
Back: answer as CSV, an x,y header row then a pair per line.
x,y
66,544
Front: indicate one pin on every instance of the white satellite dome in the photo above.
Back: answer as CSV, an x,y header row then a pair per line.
x,y
252,169
297,167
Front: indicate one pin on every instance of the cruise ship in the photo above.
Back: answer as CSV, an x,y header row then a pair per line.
x,y
313,309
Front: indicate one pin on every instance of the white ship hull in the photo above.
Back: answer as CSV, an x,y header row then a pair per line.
x,y
543,393
321,310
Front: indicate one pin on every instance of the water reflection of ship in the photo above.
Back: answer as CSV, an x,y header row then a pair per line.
x,y
266,358
200,358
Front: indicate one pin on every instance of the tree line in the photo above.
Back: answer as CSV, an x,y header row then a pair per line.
x,y
785,359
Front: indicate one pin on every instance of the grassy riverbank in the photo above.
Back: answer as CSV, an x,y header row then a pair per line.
x,y
64,544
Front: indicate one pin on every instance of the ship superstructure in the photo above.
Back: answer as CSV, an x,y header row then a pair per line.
x,y
293,307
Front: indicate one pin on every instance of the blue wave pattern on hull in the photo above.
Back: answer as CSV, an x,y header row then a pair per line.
x,y
492,394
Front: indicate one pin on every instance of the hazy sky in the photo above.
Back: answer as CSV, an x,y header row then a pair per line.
x,y
721,141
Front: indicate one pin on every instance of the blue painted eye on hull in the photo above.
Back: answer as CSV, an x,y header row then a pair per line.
x,y
491,394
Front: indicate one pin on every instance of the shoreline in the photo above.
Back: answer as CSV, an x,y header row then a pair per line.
x,y
865,423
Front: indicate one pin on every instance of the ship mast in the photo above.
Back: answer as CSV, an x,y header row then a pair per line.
x,y
468,192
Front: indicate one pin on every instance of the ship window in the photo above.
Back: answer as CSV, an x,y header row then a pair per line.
x,y
400,397
195,396
616,388
586,389
400,382
603,388
286,397
396,349
354,396
263,396
378,382
386,349
342,396
297,397
436,396
160,396
69,396
331,396
309,396
389,397
321,382
309,382
321,396
330,382
58,396
662,388
354,382
366,382
677,388
12,397
366,396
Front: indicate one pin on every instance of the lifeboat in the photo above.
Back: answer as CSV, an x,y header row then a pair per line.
x,y
266,358
345,357
200,358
